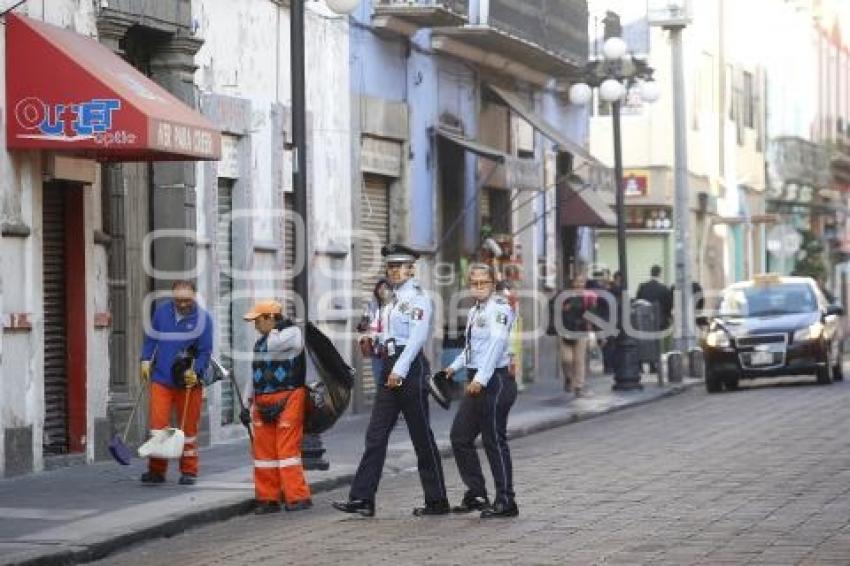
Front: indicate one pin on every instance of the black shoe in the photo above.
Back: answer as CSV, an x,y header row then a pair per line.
x,y
471,503
361,506
266,507
187,479
437,508
299,505
152,478
500,509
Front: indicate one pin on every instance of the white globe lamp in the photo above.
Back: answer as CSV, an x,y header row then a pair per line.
x,y
342,7
580,94
614,48
611,90
649,91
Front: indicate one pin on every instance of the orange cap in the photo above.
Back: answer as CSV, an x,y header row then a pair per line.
x,y
270,307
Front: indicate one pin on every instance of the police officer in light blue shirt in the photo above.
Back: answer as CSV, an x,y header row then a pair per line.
x,y
404,390
490,394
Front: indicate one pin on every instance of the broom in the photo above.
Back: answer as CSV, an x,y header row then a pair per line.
x,y
118,445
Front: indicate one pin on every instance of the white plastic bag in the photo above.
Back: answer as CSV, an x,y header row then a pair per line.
x,y
163,443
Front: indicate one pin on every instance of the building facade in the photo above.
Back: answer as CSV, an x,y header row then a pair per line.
x,y
461,131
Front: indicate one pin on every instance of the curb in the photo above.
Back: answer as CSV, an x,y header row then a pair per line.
x,y
174,526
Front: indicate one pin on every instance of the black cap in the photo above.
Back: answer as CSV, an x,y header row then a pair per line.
x,y
397,253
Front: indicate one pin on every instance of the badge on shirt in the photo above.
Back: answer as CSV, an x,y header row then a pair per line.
x,y
502,318
403,308
417,314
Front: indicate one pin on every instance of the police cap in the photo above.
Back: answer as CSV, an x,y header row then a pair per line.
x,y
397,253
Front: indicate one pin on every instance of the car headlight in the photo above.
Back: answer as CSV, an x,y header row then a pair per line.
x,y
718,339
812,332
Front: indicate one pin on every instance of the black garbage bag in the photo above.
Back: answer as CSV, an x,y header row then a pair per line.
x,y
330,396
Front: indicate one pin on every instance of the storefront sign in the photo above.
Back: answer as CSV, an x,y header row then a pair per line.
x,y
228,166
635,183
66,92
382,157
524,174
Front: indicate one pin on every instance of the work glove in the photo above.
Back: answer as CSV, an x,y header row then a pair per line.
x,y
145,372
245,416
190,378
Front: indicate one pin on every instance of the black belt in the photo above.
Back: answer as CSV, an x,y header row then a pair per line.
x,y
470,372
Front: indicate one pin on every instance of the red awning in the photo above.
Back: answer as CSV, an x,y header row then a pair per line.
x,y
68,93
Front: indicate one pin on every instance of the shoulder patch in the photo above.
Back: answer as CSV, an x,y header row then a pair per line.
x,y
417,313
502,318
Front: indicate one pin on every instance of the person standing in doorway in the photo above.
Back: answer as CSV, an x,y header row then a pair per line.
x,y
405,391
490,394
176,350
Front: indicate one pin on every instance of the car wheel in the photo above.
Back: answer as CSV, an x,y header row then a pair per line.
x,y
731,382
838,368
824,375
713,383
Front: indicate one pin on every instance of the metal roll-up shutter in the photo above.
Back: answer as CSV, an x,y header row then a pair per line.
x,y
224,306
289,253
375,220
55,344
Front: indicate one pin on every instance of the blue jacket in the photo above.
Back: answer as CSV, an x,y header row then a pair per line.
x,y
168,336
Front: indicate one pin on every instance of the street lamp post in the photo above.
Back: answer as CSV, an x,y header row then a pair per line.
x,y
614,76
674,16
312,450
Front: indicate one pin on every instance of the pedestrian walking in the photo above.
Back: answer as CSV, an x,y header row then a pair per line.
x,y
489,396
657,293
661,298
574,341
373,326
176,350
405,391
279,404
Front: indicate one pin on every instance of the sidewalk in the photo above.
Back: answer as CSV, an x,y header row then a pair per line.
x,y
86,512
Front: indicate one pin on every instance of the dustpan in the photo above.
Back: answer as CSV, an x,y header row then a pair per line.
x,y
166,443
118,445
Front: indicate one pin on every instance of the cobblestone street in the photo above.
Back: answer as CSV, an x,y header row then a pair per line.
x,y
760,476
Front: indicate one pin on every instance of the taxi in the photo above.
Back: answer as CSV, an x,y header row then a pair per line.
x,y
769,326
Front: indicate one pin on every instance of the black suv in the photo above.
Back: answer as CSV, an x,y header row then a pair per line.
x,y
771,326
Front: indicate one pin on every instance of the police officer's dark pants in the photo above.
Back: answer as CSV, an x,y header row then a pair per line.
x,y
487,415
411,399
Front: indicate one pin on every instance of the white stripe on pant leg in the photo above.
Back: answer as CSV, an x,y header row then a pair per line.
x,y
190,453
190,439
285,463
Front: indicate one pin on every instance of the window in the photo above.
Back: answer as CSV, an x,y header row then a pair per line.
x,y
748,103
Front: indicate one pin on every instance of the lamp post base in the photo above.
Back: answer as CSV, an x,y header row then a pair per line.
x,y
627,369
313,453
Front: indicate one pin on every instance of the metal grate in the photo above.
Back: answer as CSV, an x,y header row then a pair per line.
x,y
375,219
55,341
748,341
224,305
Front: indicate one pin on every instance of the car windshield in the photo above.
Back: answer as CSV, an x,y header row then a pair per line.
x,y
786,298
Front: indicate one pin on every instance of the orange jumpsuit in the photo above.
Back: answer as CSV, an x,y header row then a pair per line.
x,y
277,448
277,380
163,400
